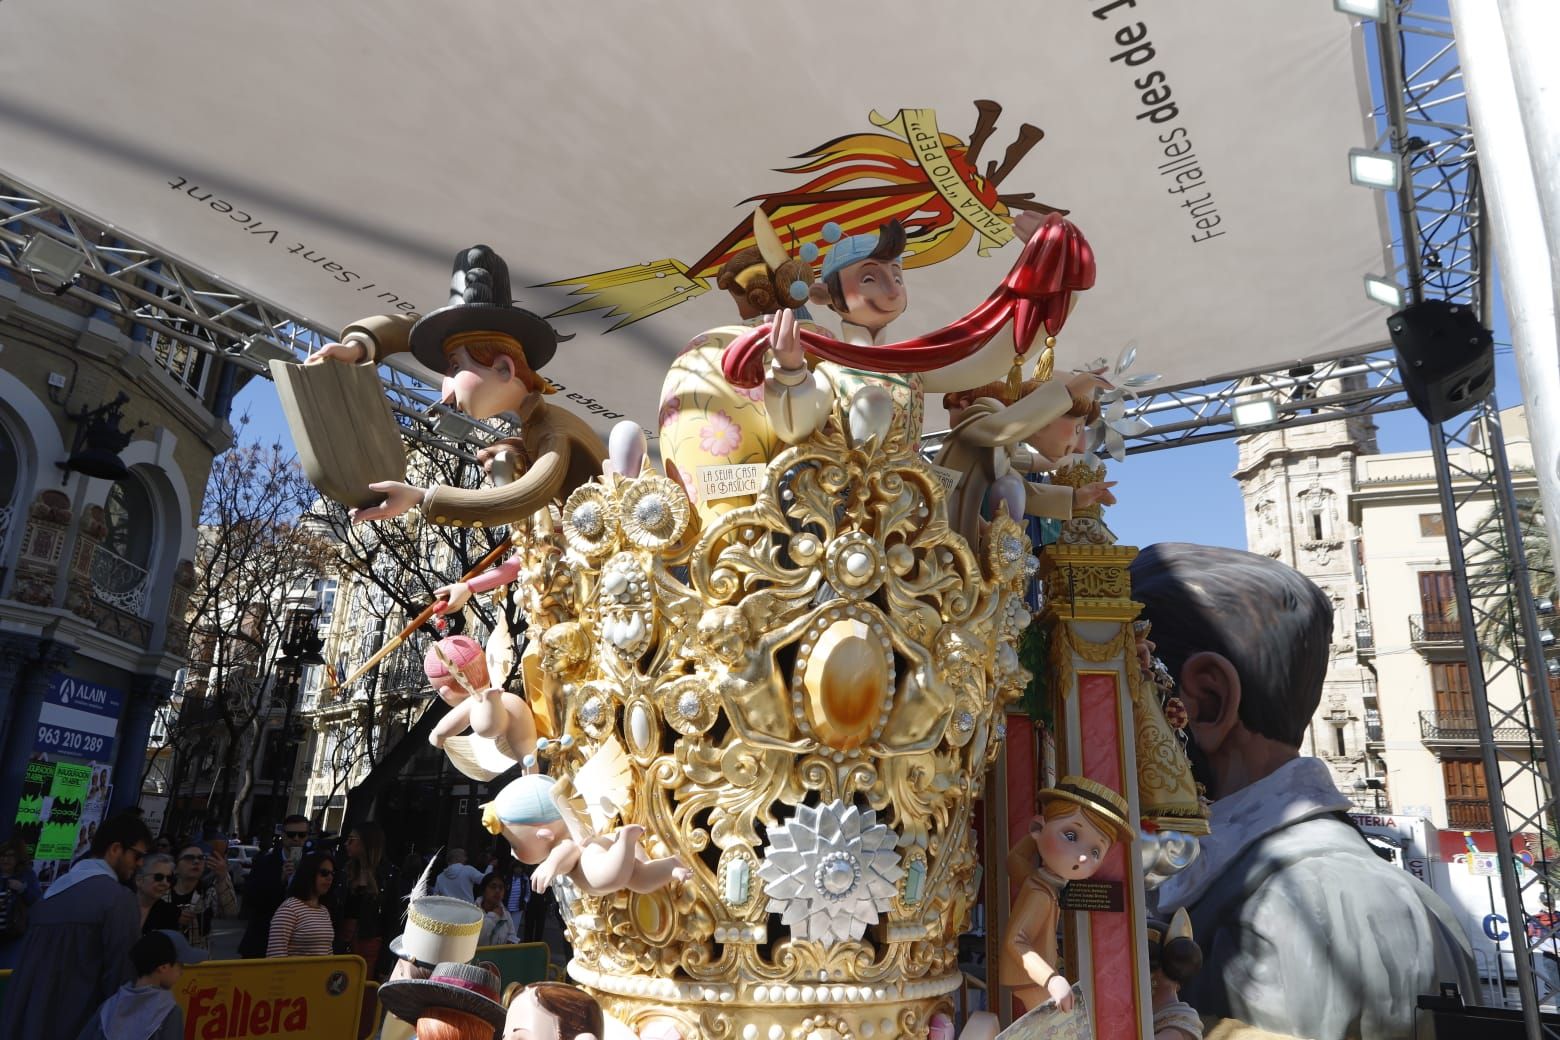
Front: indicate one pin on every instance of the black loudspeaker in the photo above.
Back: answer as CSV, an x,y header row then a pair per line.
x,y
1446,359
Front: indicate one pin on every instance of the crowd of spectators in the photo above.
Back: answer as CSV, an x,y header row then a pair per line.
x,y
132,894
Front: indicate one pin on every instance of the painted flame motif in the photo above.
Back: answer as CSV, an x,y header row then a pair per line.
x,y
858,181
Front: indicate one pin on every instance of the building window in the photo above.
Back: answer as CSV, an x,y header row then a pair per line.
x,y
1316,513
325,600
1437,598
1432,525
120,565
10,477
1453,691
1467,797
1340,746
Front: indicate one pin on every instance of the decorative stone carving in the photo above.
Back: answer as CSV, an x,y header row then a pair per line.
x,y
79,599
43,545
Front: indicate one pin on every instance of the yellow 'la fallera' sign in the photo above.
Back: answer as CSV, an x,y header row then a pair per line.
x,y
280,996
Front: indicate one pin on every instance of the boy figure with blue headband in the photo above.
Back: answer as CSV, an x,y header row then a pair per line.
x,y
862,280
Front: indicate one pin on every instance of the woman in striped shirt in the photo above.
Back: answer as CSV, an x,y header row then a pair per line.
x,y
302,925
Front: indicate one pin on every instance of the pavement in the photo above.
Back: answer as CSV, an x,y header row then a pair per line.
x,y
225,935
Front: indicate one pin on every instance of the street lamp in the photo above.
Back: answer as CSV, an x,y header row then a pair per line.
x,y
301,647
1375,785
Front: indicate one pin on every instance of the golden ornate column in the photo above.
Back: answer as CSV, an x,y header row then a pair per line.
x,y
1110,728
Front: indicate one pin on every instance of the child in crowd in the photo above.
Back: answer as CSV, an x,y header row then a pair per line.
x,y
145,1009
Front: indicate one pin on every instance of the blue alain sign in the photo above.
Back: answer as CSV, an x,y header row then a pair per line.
x,y
79,719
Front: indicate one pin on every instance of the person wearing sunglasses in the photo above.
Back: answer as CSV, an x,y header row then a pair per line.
x,y
77,949
302,926
201,889
152,882
266,885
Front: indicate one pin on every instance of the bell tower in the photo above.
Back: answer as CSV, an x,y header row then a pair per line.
x,y
1295,482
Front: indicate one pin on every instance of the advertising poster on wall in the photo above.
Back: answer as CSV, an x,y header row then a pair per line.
x,y
99,793
68,797
32,807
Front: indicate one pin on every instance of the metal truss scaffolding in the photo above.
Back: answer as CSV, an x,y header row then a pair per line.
x,y
188,315
1441,255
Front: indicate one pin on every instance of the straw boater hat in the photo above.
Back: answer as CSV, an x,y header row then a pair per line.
x,y
1095,797
439,929
472,988
480,301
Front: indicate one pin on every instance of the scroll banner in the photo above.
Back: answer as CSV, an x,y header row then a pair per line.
x,y
276,996
918,127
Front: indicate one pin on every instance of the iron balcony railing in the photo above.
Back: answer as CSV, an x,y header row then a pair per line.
x,y
1462,727
1470,814
118,582
1364,636
1433,628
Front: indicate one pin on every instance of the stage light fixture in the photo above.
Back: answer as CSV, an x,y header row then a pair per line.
x,y
53,258
1258,411
1372,9
448,423
1372,169
1384,291
263,351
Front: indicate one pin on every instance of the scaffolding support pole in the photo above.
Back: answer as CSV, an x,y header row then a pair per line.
x,y
1517,222
1532,26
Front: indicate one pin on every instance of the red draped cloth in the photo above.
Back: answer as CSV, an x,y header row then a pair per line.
x,y
1055,263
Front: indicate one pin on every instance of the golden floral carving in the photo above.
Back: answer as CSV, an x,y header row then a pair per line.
x,y
711,664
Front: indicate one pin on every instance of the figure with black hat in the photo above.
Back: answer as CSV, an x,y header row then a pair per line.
x,y
489,352
457,1001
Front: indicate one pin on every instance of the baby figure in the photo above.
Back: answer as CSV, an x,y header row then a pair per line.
x,y
457,668
529,818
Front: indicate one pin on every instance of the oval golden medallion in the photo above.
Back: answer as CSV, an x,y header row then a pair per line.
x,y
846,680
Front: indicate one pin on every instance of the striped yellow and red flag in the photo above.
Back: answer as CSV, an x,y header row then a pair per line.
x,y
926,179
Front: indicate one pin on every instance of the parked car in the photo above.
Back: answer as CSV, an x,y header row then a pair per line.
x,y
240,859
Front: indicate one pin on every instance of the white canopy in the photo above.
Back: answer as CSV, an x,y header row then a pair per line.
x,y
333,157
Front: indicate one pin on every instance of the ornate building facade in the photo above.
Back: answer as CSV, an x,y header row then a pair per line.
x,y
107,434
1297,484
1395,723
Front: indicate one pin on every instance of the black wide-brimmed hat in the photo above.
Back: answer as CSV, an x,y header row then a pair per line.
x,y
472,988
480,301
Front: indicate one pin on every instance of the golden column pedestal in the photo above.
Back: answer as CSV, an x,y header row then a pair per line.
x,y
1110,728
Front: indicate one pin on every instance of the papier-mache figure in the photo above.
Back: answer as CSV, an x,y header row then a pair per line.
x,y
996,437
489,352
1079,821
553,1011
457,668
706,422
1174,959
530,812
455,1002
882,383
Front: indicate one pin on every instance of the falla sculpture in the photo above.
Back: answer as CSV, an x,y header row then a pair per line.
x,y
764,727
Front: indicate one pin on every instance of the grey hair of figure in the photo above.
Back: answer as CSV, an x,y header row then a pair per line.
x,y
150,862
1271,622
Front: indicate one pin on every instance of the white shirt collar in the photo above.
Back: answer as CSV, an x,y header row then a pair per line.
x,y
859,335
1297,790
